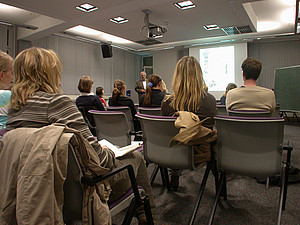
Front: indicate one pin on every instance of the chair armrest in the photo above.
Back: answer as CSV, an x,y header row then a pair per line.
x,y
128,167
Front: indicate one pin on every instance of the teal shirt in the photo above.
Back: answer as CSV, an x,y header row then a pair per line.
x,y
4,104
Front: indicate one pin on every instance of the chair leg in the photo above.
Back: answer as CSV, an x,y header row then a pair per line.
x,y
282,196
153,175
148,210
217,198
165,177
201,191
130,212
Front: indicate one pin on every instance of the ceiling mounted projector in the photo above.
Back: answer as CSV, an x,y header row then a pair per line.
x,y
153,30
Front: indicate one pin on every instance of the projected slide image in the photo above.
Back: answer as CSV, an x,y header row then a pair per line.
x,y
217,65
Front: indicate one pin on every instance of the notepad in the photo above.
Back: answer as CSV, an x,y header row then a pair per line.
x,y
119,152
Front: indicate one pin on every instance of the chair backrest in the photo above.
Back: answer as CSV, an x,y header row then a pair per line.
x,y
150,110
74,193
250,145
249,113
221,110
88,118
126,110
157,133
73,190
86,115
112,126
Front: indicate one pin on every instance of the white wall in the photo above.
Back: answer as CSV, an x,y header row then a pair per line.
x,y
81,58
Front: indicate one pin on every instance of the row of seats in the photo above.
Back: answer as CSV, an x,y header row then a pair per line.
x,y
260,157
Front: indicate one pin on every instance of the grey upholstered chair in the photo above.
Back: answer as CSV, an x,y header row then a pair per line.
x,y
112,126
126,110
221,110
157,132
74,191
252,147
249,113
150,110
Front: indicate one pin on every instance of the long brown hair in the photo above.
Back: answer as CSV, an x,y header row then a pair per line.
x,y
36,69
188,85
117,92
153,81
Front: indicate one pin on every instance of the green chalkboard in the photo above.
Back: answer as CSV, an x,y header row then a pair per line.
x,y
287,88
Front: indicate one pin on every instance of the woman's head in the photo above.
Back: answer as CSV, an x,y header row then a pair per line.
x,y
188,85
154,82
229,87
35,69
6,69
99,91
119,89
85,84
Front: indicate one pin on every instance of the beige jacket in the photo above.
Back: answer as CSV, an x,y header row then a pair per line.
x,y
33,170
193,133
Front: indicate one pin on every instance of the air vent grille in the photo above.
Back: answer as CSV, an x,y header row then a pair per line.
x,y
149,41
237,30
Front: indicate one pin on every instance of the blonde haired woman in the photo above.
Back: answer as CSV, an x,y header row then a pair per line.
x,y
36,102
6,69
189,95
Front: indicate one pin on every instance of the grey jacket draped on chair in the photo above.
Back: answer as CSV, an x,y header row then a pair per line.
x,y
193,133
33,170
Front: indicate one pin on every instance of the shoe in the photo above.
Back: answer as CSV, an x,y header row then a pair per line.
x,y
174,184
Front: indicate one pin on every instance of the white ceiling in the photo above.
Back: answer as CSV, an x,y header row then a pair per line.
x,y
185,27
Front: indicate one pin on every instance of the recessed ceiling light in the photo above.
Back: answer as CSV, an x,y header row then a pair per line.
x,y
266,26
118,20
211,27
86,7
157,36
185,5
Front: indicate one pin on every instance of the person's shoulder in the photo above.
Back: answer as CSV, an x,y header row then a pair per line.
x,y
167,99
210,95
53,97
264,89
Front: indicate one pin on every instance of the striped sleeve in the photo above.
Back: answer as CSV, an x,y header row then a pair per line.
x,y
63,110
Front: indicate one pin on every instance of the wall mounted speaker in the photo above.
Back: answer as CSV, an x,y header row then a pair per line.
x,y
106,50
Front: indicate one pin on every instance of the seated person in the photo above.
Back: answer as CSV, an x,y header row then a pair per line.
x,y
189,95
100,93
153,95
6,69
229,87
250,96
119,99
37,104
88,101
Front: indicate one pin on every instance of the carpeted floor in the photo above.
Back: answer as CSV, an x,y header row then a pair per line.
x,y
248,201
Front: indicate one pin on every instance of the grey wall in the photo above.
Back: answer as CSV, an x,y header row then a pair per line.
x,y
81,58
274,54
164,63
3,38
